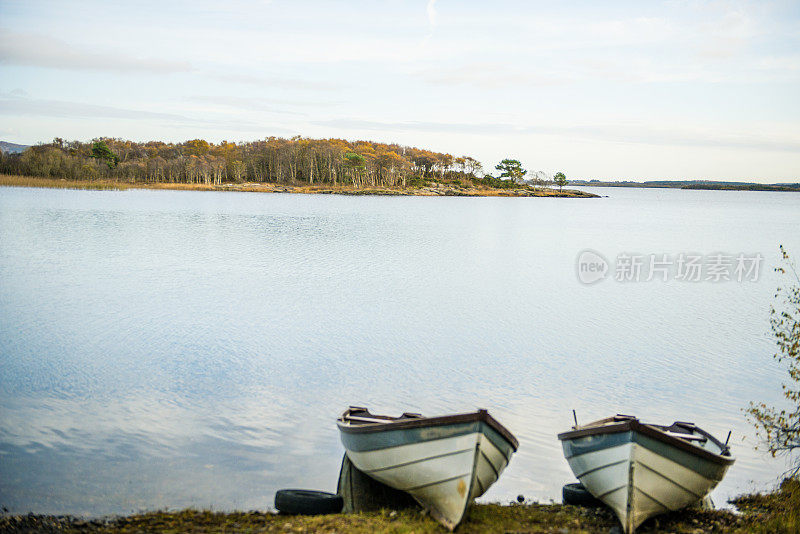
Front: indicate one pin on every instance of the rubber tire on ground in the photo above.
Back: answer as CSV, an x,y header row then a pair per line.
x,y
578,495
307,502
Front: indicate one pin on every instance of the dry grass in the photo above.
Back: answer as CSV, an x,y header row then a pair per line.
x,y
59,183
482,518
777,512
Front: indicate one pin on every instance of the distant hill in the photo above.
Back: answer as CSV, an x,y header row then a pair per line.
x,y
11,148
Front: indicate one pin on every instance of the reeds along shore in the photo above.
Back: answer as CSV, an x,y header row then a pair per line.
x,y
431,189
56,183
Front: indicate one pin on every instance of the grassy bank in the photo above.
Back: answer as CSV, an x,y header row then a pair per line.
x,y
55,183
777,512
429,189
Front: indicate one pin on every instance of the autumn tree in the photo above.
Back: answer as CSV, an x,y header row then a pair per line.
x,y
391,168
511,169
197,147
238,168
423,161
472,166
780,428
443,163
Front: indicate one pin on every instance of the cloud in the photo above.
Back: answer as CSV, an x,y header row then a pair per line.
x,y
431,9
418,126
30,107
272,81
245,103
29,49
489,75
617,132
13,105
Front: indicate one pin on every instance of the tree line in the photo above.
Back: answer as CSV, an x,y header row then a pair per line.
x,y
274,159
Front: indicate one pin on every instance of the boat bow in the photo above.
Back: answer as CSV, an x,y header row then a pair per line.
x,y
443,462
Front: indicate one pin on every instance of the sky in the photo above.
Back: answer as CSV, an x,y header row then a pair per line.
x,y
616,90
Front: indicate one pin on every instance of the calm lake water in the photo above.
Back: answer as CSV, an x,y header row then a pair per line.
x,y
165,349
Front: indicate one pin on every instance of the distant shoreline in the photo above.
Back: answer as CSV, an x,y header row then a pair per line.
x,y
697,185
433,190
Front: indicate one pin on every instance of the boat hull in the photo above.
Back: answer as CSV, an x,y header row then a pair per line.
x,y
638,476
444,467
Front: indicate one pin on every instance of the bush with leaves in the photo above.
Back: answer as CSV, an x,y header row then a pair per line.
x,y
780,428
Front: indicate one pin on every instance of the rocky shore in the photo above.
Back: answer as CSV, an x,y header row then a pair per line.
x,y
431,190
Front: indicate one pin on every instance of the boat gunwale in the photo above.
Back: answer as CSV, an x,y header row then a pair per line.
x,y
481,416
598,428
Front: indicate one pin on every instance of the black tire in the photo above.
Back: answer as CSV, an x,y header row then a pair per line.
x,y
578,495
307,502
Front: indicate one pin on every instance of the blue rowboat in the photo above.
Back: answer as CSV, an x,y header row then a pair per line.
x,y
641,470
443,462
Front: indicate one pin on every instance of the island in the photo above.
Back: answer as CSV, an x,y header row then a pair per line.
x,y
272,165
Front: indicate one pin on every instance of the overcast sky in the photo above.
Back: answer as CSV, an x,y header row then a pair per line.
x,y
610,90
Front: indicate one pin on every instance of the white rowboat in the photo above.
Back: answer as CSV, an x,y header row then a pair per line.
x,y
443,462
641,470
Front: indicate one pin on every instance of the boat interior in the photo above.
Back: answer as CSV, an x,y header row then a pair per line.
x,y
357,415
679,429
